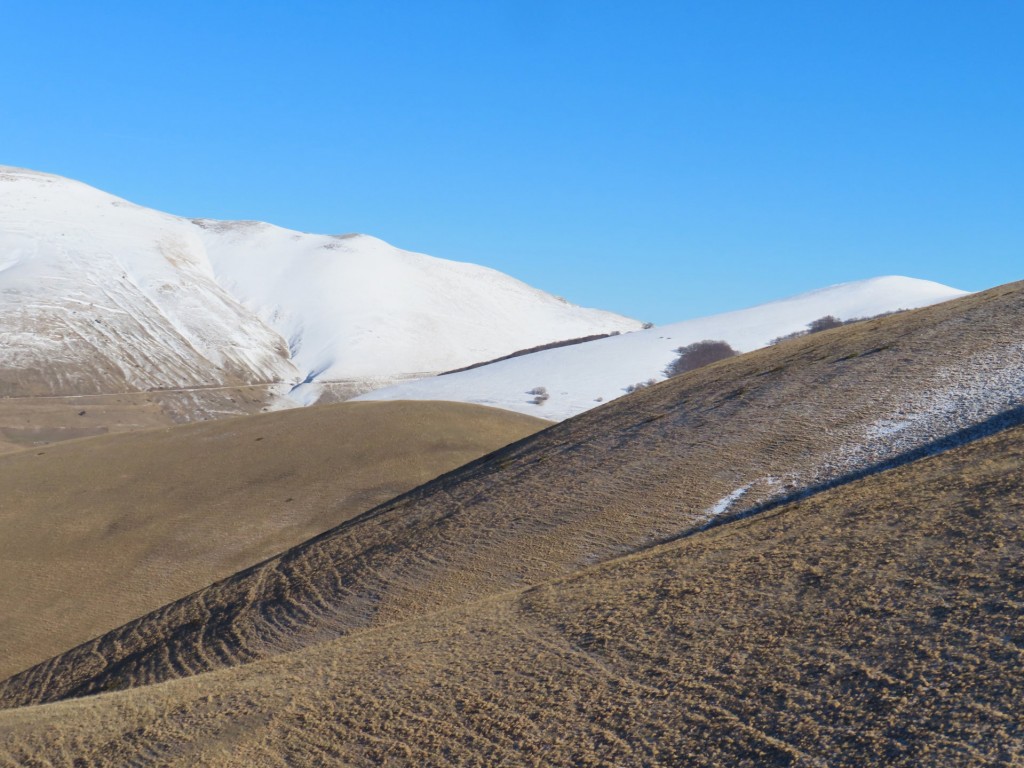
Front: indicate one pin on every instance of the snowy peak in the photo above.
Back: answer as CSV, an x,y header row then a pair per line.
x,y
353,306
755,327
100,295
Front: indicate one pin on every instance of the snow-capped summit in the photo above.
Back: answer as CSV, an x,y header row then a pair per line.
x,y
577,378
100,295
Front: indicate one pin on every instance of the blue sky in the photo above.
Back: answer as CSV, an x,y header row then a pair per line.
x,y
661,159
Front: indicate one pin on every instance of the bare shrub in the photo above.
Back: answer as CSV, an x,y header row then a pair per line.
x,y
824,324
699,354
540,395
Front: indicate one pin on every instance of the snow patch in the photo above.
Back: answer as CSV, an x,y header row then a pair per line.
x,y
723,504
587,374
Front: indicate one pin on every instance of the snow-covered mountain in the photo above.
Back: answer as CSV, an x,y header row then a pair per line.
x,y
100,295
353,308
580,377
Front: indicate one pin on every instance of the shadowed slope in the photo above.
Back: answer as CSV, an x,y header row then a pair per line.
x,y
649,467
96,532
878,623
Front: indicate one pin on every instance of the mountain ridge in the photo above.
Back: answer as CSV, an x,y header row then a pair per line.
x,y
578,378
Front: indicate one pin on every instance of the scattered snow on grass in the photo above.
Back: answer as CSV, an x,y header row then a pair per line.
x,y
723,504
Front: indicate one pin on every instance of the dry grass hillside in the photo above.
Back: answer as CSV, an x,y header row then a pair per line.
x,y
876,623
96,532
652,467
30,422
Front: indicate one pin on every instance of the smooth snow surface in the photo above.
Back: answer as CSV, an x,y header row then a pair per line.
x,y
100,295
583,376
354,307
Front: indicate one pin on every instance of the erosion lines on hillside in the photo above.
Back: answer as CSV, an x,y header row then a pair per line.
x,y
871,624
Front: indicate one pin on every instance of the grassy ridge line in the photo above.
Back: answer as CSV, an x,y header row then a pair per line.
x,y
873,624
614,480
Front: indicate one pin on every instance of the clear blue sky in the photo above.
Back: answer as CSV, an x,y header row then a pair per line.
x,y
662,159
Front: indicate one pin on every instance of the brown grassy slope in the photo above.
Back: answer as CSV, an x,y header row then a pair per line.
x,y
878,623
96,532
29,422
613,480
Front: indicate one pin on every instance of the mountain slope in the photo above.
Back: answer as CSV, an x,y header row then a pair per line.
x,y
354,308
98,295
877,623
579,377
657,465
96,532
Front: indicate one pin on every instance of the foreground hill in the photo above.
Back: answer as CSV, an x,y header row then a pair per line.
x,y
577,378
660,464
101,296
96,532
876,623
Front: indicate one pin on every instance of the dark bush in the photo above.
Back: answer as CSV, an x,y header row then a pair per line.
x,y
699,354
540,395
824,324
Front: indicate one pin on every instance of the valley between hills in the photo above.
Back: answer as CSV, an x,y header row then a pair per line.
x,y
809,553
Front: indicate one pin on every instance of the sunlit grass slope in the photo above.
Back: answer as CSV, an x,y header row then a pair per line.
x,y
876,623
95,532
651,467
